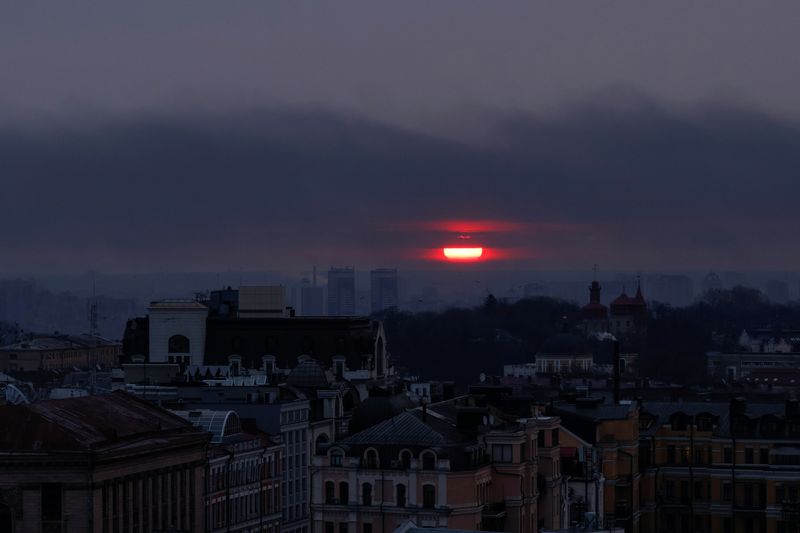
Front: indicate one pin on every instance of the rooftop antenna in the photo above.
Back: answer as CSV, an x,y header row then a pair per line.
x,y
595,270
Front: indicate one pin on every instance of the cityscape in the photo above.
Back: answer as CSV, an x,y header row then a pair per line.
x,y
426,267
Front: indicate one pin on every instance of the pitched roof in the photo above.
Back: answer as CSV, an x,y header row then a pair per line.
x,y
91,421
403,429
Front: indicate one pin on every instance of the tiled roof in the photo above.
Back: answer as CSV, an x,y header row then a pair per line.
x,y
403,429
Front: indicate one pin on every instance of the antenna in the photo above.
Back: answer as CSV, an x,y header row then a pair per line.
x,y
595,270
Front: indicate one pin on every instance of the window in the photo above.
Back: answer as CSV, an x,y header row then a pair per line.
x,y
329,528
51,502
401,495
336,459
698,491
540,439
685,496
554,437
671,454
371,459
501,453
342,527
428,461
366,494
763,456
727,455
748,456
367,528
178,344
405,459
344,493
330,487
727,495
428,496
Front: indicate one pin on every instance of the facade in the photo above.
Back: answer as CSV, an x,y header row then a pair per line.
x,y
177,332
720,468
180,332
60,352
737,366
99,464
341,292
564,353
383,289
243,481
452,464
609,435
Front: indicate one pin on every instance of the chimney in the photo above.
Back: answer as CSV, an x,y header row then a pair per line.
x,y
616,373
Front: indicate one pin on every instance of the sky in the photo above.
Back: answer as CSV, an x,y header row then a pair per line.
x,y
164,136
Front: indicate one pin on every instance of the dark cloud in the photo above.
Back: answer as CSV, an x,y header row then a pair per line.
x,y
635,187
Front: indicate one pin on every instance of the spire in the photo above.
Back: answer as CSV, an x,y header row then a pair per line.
x,y
639,296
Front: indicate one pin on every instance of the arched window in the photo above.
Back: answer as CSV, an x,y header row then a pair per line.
x,y
319,444
178,344
428,496
344,493
371,458
401,495
330,497
405,459
366,494
428,461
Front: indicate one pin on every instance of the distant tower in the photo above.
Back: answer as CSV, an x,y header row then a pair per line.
x,y
341,291
311,297
383,289
594,314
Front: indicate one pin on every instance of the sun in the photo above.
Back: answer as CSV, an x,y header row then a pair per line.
x,y
462,253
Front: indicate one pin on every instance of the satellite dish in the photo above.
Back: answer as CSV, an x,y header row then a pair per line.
x,y
482,377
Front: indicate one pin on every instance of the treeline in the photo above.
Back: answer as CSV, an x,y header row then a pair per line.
x,y
459,344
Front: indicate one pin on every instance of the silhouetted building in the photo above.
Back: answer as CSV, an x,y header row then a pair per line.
x,y
312,302
341,292
383,289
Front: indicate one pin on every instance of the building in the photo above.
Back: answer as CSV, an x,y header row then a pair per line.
x,y
455,465
262,301
383,289
564,353
594,314
99,464
182,332
608,434
341,291
60,352
627,315
312,301
737,366
770,340
720,467
177,332
243,485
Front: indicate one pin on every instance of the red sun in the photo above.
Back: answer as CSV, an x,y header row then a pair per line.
x,y
462,253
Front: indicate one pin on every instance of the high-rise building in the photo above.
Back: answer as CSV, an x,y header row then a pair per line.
x,y
383,289
341,291
311,297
